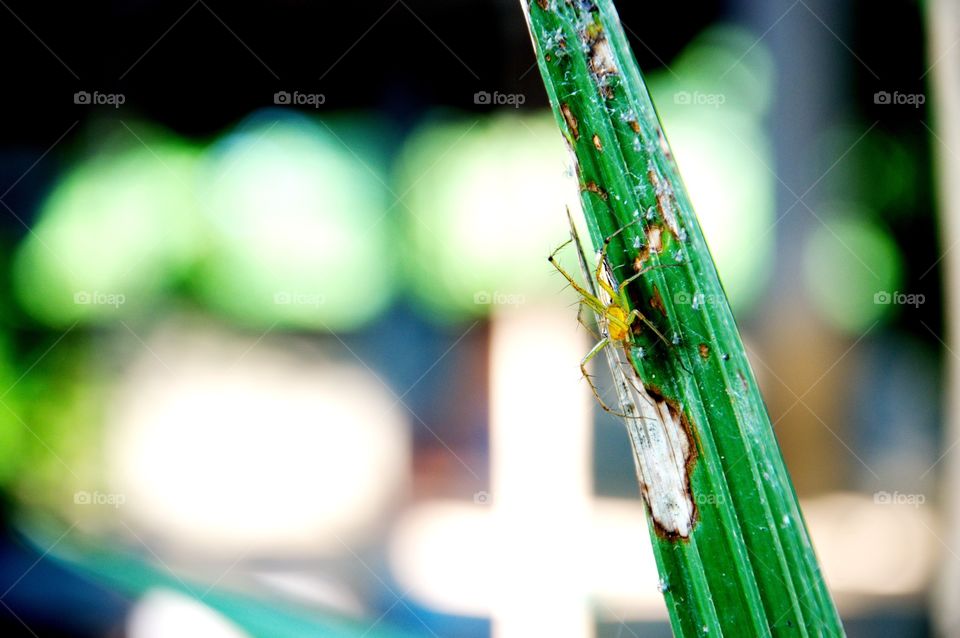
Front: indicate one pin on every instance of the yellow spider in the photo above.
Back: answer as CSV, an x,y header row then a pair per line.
x,y
610,305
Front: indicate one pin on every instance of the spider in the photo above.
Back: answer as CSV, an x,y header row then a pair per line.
x,y
610,305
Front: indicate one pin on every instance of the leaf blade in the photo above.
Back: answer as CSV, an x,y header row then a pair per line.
x,y
748,565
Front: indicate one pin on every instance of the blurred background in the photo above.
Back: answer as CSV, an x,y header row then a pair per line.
x,y
281,354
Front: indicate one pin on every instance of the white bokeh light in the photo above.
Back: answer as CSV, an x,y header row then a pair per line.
x,y
223,447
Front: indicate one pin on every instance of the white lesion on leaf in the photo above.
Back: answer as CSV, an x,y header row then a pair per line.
x,y
662,443
662,446
602,61
666,200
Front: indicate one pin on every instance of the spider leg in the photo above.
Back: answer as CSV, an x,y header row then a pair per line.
x,y
601,280
621,229
559,248
603,343
613,292
588,297
636,314
641,272
583,323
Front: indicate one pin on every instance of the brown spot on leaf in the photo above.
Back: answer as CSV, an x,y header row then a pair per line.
x,y
704,350
602,60
654,244
596,142
571,120
656,301
635,125
665,201
593,188
543,4
601,57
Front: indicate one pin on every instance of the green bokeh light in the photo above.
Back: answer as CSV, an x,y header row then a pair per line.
x,y
724,60
884,171
13,434
300,231
712,103
486,206
852,267
112,234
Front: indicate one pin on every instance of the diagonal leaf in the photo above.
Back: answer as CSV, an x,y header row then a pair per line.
x,y
732,547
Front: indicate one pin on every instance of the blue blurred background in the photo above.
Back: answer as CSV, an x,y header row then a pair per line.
x,y
281,354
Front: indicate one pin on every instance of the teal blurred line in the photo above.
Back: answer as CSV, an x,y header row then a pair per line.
x,y
134,577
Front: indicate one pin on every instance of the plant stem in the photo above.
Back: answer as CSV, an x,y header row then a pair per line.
x,y
740,561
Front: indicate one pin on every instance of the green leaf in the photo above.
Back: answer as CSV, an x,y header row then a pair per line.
x,y
733,551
